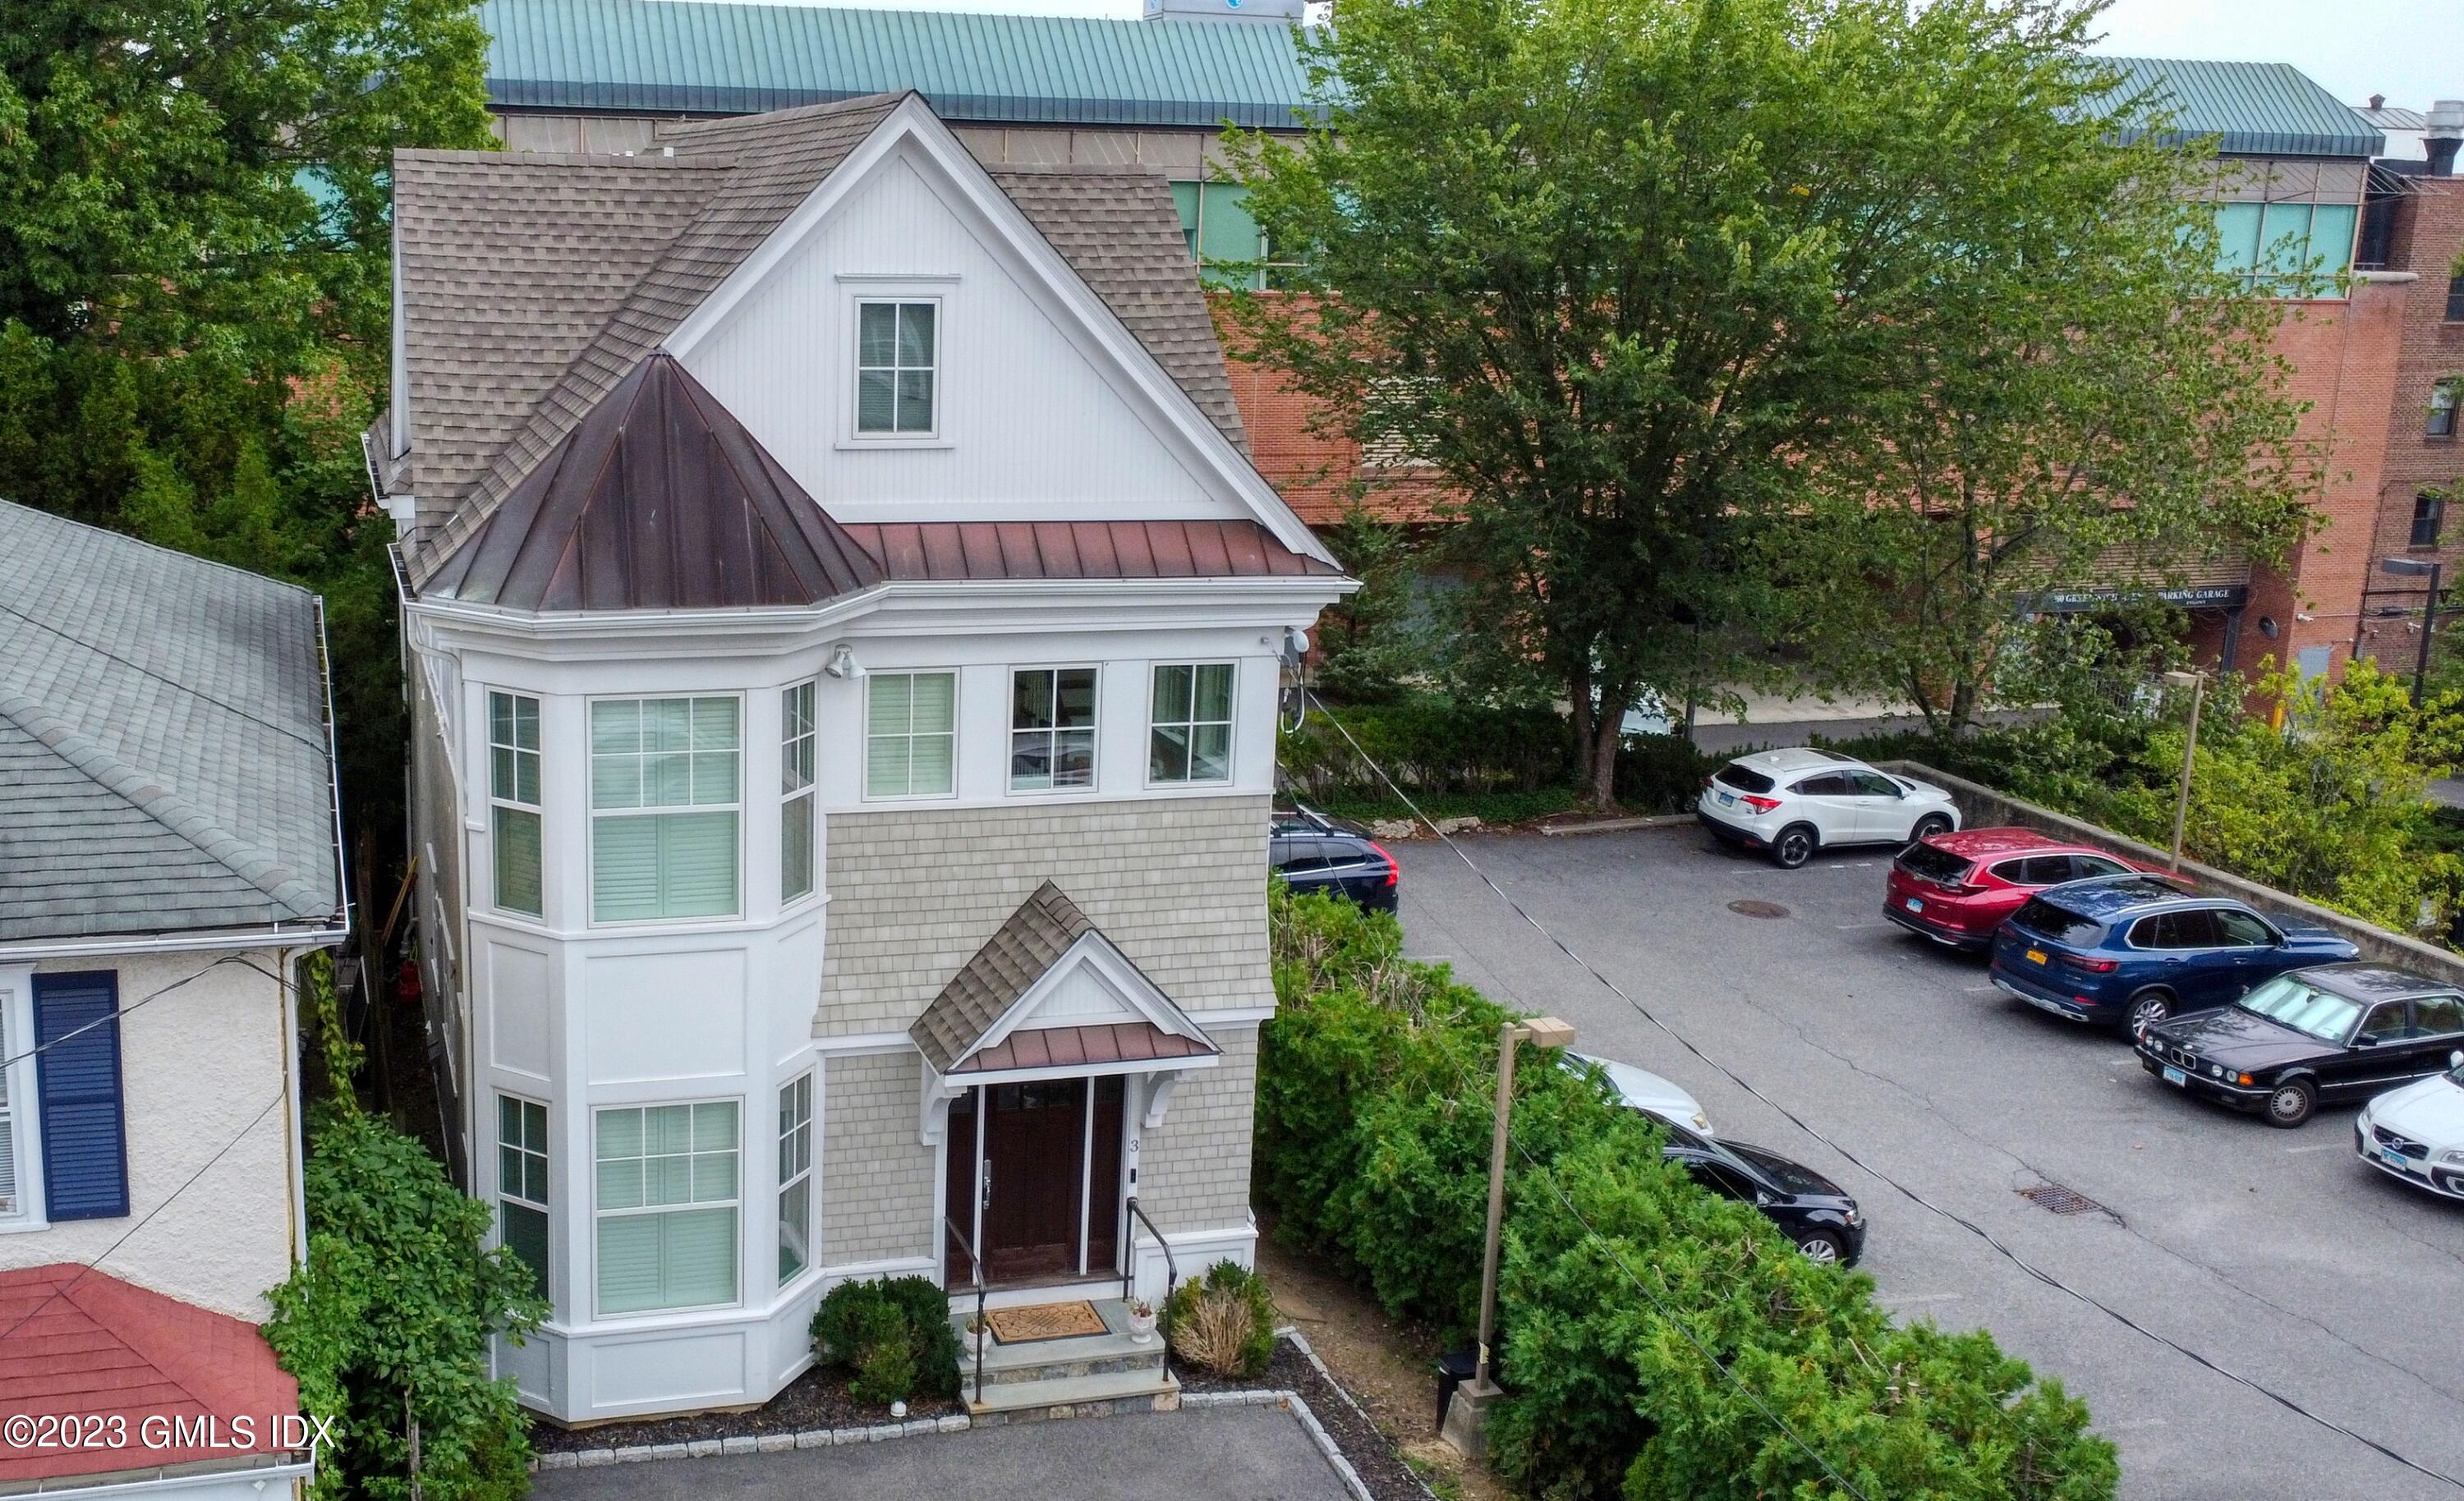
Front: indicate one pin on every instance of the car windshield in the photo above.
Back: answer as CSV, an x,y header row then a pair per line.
x,y
2058,924
1743,777
1932,864
2291,1001
1782,1172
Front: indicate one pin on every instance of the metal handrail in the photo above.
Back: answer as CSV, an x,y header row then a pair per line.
x,y
975,1275
1170,1274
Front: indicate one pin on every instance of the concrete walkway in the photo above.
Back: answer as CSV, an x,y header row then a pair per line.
x,y
1199,1454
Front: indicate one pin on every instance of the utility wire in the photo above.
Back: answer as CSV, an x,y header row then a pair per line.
x,y
189,688
1910,1194
113,1015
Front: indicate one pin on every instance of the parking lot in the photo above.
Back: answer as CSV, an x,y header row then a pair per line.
x,y
2273,1254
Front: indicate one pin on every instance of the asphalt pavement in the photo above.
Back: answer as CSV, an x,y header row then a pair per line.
x,y
2273,1254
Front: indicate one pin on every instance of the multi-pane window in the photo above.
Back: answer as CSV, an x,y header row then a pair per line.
x,y
796,821
909,734
668,1205
521,1181
896,368
1188,735
514,800
2428,515
795,1178
1051,729
2286,249
2442,409
2456,299
663,782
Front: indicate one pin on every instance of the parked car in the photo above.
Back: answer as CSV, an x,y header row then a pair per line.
x,y
1956,888
1640,1089
1794,802
2331,1033
1809,1208
2416,1133
2130,952
1316,853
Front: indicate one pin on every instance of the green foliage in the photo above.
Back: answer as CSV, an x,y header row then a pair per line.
x,y
194,289
398,1296
1429,744
1661,773
1372,1145
1367,641
1224,1320
893,1335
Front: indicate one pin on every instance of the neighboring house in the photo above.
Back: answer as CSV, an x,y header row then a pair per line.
x,y
844,632
168,850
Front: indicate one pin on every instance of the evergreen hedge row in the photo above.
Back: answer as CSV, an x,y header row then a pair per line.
x,y
1372,1141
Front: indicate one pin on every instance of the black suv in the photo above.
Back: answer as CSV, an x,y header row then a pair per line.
x,y
1808,1207
1316,853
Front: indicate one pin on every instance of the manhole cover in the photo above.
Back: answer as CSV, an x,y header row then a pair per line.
x,y
1752,906
2059,1200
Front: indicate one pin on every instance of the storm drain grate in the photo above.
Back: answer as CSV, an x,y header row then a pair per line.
x,y
1753,906
2065,1201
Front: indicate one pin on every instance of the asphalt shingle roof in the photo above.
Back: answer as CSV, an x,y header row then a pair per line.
x,y
164,759
1034,938
517,364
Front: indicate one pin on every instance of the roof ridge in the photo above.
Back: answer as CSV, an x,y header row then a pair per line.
x,y
169,808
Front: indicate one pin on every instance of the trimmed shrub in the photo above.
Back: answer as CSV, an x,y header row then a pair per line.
x,y
893,1337
1430,745
1223,1321
1661,773
1372,1145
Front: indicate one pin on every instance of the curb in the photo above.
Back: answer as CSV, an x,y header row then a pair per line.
x,y
1657,820
748,1444
1308,1419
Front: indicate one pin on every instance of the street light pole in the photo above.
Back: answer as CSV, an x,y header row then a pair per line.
x,y
1548,1032
2428,623
2197,683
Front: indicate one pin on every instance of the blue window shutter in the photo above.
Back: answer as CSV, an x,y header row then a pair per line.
x,y
85,1147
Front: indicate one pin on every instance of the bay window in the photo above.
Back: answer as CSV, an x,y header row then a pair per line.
x,y
514,800
797,829
521,1181
667,1201
665,779
795,1178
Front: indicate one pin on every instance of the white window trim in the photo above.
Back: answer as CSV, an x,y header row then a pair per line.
x,y
598,1214
591,816
547,1150
864,747
810,794
537,810
897,289
1010,731
16,1036
1232,726
810,1178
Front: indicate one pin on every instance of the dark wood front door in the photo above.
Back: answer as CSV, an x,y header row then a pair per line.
x,y
1034,1137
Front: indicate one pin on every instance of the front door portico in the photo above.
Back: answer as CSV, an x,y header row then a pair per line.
x,y
1040,1160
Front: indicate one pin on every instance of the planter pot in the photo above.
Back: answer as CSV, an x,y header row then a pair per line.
x,y
1142,1327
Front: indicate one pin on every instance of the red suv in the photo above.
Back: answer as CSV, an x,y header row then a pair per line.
x,y
1956,888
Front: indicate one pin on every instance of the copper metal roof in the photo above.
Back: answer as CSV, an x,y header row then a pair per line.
x,y
1082,1047
939,551
658,500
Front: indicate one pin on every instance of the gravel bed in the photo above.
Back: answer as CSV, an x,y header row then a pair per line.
x,y
1380,1468
815,1400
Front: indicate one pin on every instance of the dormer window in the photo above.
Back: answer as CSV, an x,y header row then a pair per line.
x,y
898,374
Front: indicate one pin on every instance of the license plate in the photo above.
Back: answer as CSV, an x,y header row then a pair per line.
x,y
1912,904
2395,1160
2174,1076
1727,800
2035,956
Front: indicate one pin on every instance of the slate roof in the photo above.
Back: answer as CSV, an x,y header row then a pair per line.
x,y
164,764
2266,109
659,500
85,1343
476,304
685,56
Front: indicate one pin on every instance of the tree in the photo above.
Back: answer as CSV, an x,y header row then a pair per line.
x,y
1620,272
194,286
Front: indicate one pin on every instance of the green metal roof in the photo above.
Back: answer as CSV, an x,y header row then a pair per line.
x,y
2261,109
690,57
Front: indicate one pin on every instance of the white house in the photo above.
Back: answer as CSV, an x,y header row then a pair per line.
x,y
844,630
168,849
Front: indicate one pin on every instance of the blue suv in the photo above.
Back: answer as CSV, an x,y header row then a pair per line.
x,y
2131,950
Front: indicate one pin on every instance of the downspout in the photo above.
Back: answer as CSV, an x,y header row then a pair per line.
x,y
297,1154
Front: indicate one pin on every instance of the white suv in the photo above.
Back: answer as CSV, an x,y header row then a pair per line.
x,y
1794,802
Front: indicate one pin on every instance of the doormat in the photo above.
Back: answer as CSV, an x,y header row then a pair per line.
x,y
1045,1322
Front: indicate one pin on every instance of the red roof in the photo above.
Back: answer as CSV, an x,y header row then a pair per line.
x,y
1076,1047
958,550
83,1343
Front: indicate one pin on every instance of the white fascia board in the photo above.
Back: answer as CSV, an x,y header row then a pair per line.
x,y
1082,315
305,936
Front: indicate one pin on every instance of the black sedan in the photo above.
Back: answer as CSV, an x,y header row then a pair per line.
x,y
1809,1208
2329,1034
1316,853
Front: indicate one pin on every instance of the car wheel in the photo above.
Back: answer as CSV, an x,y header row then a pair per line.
x,y
1928,826
1822,1246
2146,1008
1794,847
2291,1103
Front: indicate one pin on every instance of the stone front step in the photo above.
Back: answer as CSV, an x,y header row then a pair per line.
x,y
1068,1376
1143,1390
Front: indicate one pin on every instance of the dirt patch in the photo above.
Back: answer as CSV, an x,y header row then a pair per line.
x,y
1389,1365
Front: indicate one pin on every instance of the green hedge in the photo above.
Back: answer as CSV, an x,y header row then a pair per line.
x,y
1430,745
892,1336
1372,1145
